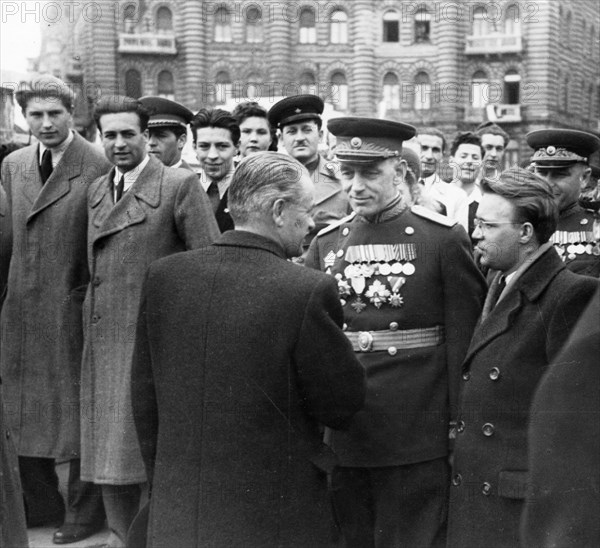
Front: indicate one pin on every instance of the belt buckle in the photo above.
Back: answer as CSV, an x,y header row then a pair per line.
x,y
365,341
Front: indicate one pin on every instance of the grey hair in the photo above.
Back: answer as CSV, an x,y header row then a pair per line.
x,y
260,180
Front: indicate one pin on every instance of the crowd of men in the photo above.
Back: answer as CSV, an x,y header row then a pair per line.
x,y
287,350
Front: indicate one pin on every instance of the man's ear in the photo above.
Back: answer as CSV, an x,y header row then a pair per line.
x,y
320,135
146,134
527,234
585,177
181,141
277,212
401,167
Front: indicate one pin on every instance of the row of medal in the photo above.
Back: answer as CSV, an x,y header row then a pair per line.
x,y
570,244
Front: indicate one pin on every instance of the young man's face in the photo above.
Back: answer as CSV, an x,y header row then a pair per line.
x,y
301,140
215,151
48,120
466,162
493,145
431,153
165,146
123,139
255,135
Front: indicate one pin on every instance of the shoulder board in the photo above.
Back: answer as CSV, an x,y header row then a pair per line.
x,y
336,224
433,216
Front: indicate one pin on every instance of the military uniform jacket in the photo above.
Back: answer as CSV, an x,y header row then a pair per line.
x,y
509,353
165,211
239,355
42,335
577,241
405,272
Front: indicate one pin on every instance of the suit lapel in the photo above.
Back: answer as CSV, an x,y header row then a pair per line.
x,y
32,181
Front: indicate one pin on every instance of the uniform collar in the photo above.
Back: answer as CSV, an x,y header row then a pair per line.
x,y
391,211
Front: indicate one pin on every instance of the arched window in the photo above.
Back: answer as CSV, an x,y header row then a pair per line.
x,y
166,85
129,18
479,89
308,28
391,91
224,87
339,27
164,20
339,93
422,25
512,87
254,24
391,26
512,21
308,82
133,83
422,91
252,87
222,25
480,26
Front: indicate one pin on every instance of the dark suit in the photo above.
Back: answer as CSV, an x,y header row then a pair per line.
x,y
239,355
509,353
563,505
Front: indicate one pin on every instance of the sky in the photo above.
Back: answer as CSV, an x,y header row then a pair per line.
x,y
20,32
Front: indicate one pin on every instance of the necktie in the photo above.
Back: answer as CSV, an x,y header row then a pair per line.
x,y
119,188
496,288
213,196
46,165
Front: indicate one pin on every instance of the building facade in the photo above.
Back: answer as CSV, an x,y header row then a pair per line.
x,y
525,64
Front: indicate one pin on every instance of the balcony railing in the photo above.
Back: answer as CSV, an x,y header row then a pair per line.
x,y
494,43
147,43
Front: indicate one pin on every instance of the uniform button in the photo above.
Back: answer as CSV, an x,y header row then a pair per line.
x,y
488,429
95,318
344,327
456,480
394,326
466,375
460,427
486,488
494,373
346,231
96,281
340,253
409,230
392,350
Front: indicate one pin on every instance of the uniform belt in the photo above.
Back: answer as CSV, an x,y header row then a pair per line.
x,y
392,341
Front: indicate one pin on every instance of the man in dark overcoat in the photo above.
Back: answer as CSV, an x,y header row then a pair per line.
x,y
140,211
46,185
411,295
239,356
531,307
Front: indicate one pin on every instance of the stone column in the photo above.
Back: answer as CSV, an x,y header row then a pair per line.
x,y
363,82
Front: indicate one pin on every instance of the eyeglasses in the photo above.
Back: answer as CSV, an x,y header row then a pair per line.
x,y
484,225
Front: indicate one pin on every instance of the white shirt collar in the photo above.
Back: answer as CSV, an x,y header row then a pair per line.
x,y
57,151
222,185
132,175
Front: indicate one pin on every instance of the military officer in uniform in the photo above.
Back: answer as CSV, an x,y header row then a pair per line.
x,y
411,295
561,157
167,129
299,120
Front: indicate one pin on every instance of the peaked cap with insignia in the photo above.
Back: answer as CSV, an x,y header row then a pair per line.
x,y
166,113
295,109
366,140
555,148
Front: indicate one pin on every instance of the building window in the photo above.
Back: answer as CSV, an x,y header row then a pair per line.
x,y
308,83
164,20
133,83
512,87
422,91
254,25
222,25
479,89
422,25
252,87
308,28
339,95
480,26
166,85
565,94
224,87
391,26
512,21
339,27
391,92
511,155
590,110
129,18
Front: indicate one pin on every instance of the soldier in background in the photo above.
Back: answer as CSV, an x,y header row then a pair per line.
x,y
562,157
167,129
411,295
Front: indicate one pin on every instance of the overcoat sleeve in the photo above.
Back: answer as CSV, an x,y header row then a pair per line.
x,y
331,379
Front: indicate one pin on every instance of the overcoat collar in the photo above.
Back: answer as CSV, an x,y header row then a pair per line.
x,y
528,287
109,218
241,238
59,182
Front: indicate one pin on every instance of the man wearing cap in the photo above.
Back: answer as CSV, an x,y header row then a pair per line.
x,y
167,130
562,157
494,141
411,295
46,185
299,120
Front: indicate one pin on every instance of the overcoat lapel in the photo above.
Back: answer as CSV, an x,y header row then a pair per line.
x,y
32,180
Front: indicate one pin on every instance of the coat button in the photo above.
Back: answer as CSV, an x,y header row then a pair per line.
x,y
340,253
392,350
346,231
486,488
394,326
345,327
456,480
95,318
494,373
466,375
460,427
488,429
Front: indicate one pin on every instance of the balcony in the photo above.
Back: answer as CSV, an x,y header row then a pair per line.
x,y
161,44
495,113
494,43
